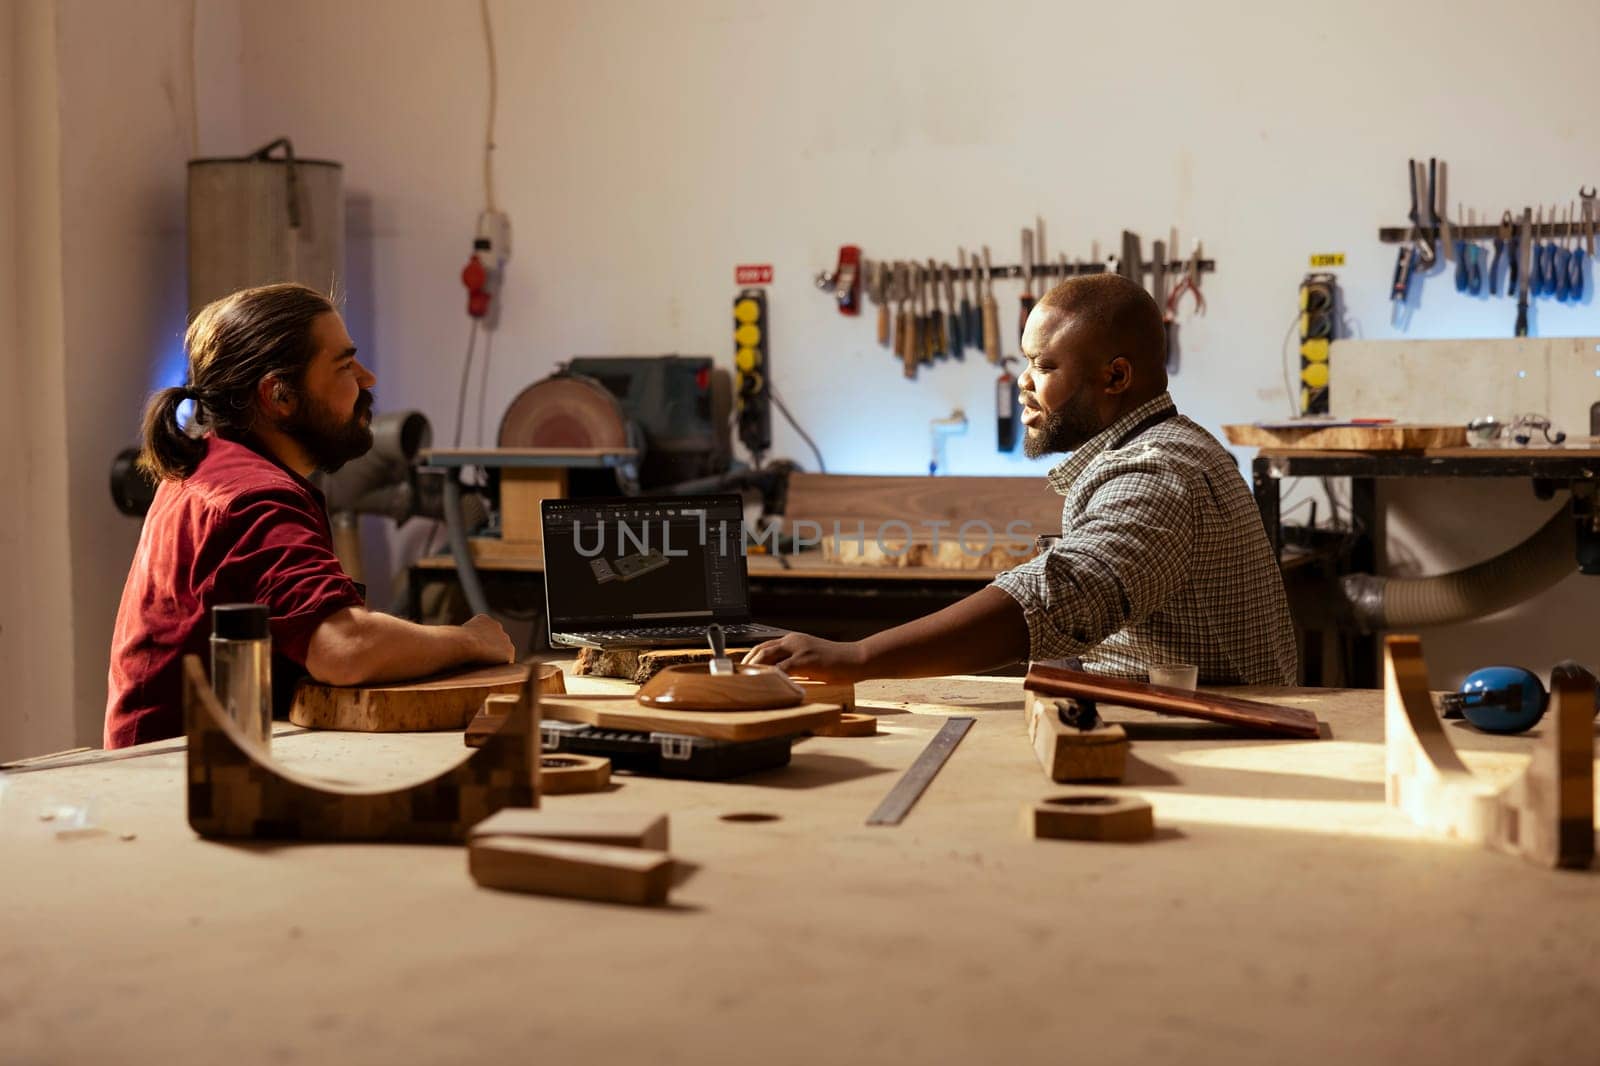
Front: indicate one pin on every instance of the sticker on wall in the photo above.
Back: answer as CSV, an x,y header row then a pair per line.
x,y
753,274
1327,259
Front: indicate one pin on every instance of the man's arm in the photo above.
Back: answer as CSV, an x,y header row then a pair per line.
x,y
981,632
355,646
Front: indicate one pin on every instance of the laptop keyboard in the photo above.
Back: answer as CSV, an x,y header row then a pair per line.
x,y
730,631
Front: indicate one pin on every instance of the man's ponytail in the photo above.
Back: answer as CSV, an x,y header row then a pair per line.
x,y
169,452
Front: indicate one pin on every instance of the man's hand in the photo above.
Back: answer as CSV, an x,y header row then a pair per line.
x,y
812,657
489,640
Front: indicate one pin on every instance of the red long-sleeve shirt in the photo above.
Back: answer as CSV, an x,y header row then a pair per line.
x,y
241,529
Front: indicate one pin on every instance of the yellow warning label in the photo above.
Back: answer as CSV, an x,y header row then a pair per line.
x,y
1328,259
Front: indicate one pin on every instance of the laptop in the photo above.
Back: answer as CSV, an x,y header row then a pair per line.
x,y
647,572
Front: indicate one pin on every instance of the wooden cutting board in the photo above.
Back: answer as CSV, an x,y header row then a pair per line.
x,y
447,701
1252,714
625,712
1396,436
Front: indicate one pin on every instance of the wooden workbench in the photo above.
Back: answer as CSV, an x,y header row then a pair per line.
x,y
1283,914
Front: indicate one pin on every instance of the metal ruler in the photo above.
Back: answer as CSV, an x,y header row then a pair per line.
x,y
898,803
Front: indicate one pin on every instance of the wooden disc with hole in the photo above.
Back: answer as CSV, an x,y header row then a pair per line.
x,y
1090,816
851,724
562,773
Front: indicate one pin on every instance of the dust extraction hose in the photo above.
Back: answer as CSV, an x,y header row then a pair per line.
x,y
1478,590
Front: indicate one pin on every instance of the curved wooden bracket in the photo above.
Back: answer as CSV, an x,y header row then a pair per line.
x,y
236,790
1546,815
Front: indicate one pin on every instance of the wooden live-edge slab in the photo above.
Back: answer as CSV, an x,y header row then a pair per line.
x,y
1253,714
625,712
1394,436
448,701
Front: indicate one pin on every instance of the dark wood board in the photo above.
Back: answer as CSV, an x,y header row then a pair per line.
x,y
1251,714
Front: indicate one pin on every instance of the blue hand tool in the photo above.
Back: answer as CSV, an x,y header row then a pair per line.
x,y
1507,699
1574,263
1561,257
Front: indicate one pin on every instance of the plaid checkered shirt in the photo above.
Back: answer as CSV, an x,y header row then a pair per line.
x,y
1162,559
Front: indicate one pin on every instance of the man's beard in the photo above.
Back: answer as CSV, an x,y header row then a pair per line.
x,y
330,441
1065,429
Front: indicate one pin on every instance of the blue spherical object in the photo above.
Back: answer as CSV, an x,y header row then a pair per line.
x,y
1503,699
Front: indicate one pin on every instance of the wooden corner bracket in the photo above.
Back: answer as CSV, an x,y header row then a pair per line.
x,y
237,791
1546,815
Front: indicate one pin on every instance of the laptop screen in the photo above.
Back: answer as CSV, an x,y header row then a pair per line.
x,y
644,560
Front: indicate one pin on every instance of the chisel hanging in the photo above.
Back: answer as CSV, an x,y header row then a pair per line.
x,y
991,312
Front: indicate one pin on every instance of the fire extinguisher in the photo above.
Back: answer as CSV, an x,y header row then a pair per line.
x,y
1007,405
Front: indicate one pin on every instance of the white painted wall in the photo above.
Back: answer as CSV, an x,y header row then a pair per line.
x,y
36,625
12,482
100,118
645,148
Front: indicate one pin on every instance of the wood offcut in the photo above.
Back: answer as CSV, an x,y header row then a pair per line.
x,y
1066,753
562,868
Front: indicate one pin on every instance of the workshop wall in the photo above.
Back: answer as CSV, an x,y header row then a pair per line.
x,y
35,544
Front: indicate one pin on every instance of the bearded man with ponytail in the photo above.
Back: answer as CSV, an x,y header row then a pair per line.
x,y
278,394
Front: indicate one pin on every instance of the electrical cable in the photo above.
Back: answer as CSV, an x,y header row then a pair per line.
x,y
1288,382
466,372
822,467
494,100
483,385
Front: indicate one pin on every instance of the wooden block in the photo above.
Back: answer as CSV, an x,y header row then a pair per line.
x,y
1546,816
1209,706
521,490
563,868
850,724
1068,754
841,694
617,662
652,663
447,701
1089,817
625,712
549,680
622,829
566,773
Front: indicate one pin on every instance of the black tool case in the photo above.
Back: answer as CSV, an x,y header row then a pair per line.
x,y
667,754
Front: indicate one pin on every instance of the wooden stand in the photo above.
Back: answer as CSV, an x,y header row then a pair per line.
x,y
1068,754
235,790
1546,815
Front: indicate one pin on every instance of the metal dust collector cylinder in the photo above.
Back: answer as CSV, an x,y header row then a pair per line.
x,y
264,218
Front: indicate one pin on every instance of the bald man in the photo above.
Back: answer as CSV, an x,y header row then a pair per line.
x,y
1162,556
